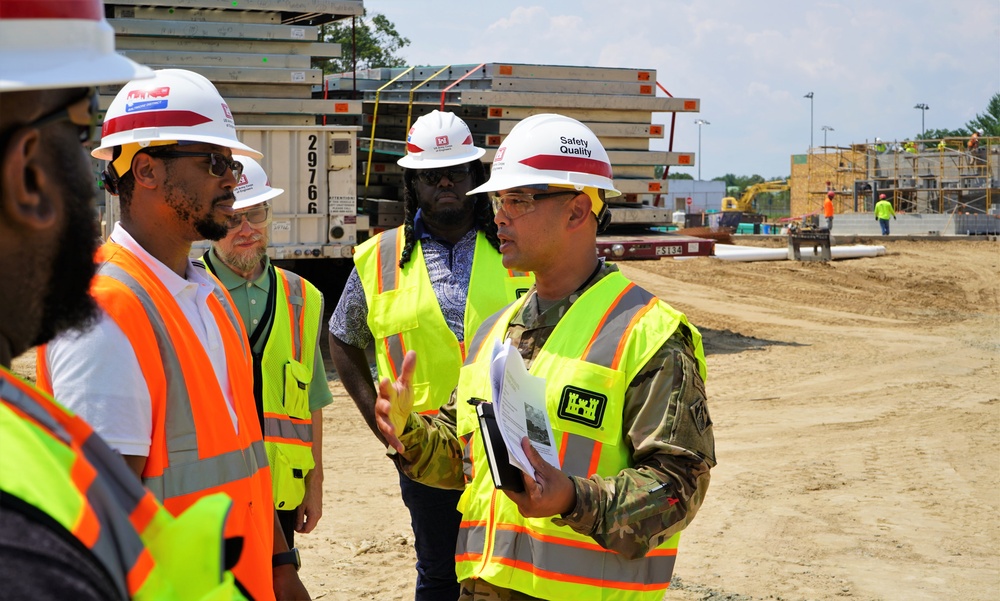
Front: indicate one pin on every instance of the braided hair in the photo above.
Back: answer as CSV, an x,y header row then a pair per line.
x,y
482,211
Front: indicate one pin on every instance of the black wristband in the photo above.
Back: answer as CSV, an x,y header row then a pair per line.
x,y
287,557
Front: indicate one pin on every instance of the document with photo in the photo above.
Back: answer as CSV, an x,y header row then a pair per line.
x,y
519,405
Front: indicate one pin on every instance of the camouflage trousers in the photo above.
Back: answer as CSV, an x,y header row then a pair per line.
x,y
477,589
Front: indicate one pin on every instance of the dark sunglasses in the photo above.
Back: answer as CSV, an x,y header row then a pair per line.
x,y
455,174
217,166
81,112
256,215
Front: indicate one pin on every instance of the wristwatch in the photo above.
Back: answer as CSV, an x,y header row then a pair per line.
x,y
287,557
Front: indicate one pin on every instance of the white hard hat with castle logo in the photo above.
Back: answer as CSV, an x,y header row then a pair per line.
x,y
439,139
254,186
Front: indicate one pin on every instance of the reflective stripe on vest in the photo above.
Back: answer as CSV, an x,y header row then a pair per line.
x,y
195,450
186,473
404,312
287,365
90,491
613,329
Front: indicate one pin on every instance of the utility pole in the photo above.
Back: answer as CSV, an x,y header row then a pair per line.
x,y
810,97
699,123
923,108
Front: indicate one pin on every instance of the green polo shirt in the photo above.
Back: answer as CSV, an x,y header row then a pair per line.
x,y
250,299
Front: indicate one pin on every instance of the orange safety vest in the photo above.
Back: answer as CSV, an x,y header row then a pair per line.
x,y
194,450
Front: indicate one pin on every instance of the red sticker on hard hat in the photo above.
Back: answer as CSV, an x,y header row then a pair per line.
x,y
91,10
441,140
153,119
553,162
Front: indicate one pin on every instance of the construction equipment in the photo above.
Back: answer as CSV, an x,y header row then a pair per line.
x,y
745,204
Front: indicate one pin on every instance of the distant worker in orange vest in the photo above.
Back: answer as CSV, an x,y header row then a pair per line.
x,y
75,521
165,375
828,209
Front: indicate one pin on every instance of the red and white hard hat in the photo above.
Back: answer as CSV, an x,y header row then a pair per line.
x,y
554,150
439,139
253,187
175,106
46,44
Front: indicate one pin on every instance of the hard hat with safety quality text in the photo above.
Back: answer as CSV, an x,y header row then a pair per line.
x,y
439,139
46,44
254,186
551,150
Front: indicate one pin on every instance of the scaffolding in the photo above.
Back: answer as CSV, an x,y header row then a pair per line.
x,y
925,176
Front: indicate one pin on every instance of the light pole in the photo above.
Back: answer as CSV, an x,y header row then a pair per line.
x,y
825,129
810,97
699,123
923,107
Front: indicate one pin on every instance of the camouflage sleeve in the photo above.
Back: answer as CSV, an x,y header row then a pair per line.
x,y
434,451
667,426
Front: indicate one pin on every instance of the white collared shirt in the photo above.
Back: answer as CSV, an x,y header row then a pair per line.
x,y
96,373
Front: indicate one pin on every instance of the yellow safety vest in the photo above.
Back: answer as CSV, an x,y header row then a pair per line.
x,y
404,314
295,309
596,349
287,373
53,461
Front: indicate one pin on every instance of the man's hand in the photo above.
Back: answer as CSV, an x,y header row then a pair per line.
x,y
549,493
395,402
308,513
287,586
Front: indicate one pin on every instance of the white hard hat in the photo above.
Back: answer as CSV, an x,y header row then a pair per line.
x,y
66,44
553,150
979,131
253,187
175,106
439,139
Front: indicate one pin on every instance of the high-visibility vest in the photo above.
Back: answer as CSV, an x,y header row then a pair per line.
x,y
286,374
53,462
404,314
597,348
195,450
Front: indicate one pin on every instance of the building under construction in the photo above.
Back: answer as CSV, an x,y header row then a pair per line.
x,y
924,176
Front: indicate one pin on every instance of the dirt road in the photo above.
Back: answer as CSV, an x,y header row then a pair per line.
x,y
857,419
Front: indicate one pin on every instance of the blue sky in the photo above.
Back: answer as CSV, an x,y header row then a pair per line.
x,y
867,62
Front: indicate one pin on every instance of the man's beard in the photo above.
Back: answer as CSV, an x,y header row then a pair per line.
x,y
244,261
178,198
67,303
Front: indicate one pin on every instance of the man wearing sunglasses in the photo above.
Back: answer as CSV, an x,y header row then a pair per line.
x,y
283,315
166,375
624,391
75,521
425,285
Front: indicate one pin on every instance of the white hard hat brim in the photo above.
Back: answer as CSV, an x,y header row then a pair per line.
x,y
41,64
106,153
244,203
499,182
412,161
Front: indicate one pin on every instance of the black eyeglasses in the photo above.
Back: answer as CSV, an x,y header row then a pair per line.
x,y
256,215
455,174
515,204
217,166
81,112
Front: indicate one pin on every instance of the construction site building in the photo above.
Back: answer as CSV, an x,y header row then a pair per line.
x,y
922,177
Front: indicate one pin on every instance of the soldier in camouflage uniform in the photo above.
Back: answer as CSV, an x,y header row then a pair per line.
x,y
636,470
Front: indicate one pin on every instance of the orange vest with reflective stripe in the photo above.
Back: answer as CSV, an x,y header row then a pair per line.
x,y
595,350
195,450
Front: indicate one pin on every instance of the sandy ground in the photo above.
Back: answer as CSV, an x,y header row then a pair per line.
x,y
857,411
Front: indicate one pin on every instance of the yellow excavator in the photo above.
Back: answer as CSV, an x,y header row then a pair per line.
x,y
745,202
